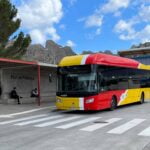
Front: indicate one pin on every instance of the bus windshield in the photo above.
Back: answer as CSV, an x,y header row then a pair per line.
x,y
81,81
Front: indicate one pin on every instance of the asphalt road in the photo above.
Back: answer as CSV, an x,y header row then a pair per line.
x,y
24,127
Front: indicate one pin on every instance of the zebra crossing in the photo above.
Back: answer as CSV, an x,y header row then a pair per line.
x,y
91,124
125,127
98,126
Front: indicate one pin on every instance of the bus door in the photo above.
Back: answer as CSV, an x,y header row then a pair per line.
x,y
134,89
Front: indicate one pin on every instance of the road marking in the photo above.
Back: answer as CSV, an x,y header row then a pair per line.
x,y
76,123
145,132
56,121
100,125
5,116
25,112
37,120
125,127
22,119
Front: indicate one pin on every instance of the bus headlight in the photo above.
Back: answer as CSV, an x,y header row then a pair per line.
x,y
91,100
58,100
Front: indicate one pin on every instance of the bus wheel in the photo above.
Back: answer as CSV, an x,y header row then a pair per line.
x,y
142,98
113,104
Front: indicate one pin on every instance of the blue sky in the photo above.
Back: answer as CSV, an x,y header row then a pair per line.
x,y
95,25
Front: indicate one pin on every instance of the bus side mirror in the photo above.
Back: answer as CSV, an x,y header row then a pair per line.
x,y
50,77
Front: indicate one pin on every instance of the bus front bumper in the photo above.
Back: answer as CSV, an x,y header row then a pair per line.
x,y
68,103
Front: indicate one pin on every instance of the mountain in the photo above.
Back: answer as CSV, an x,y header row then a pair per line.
x,y
92,52
52,53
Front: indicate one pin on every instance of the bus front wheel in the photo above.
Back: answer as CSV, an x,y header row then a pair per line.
x,y
142,98
113,104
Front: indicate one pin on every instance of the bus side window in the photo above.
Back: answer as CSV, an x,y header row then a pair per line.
x,y
50,77
101,82
103,85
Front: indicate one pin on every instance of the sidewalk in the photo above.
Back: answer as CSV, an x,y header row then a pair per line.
x,y
6,109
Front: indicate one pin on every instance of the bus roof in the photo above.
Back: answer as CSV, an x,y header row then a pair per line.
x,y
101,59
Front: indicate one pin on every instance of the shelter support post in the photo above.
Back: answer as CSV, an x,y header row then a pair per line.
x,y
39,89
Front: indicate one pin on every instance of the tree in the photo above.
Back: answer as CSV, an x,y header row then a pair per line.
x,y
141,45
108,52
11,46
87,52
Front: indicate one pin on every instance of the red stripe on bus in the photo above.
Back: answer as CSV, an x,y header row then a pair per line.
x,y
102,100
111,60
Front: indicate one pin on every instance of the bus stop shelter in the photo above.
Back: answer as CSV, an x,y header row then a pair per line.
x,y
26,75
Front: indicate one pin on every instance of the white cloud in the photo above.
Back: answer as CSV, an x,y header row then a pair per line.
x,y
144,13
52,32
39,17
117,14
98,31
127,29
72,2
91,35
124,26
81,19
94,21
127,32
70,43
144,34
114,5
62,26
37,36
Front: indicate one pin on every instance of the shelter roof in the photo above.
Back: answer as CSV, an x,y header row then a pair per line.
x,y
5,62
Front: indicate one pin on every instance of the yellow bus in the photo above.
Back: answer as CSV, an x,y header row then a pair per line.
x,y
100,81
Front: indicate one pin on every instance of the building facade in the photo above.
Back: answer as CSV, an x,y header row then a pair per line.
x,y
140,54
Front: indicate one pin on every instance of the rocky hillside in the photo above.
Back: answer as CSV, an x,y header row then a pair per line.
x,y
52,53
92,52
